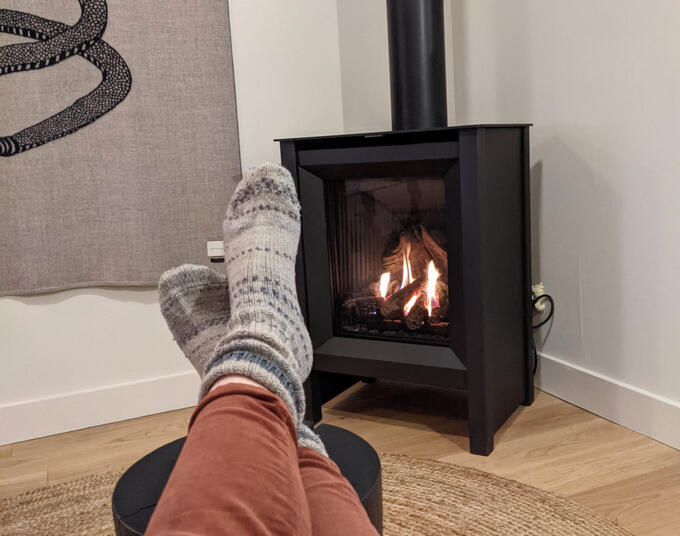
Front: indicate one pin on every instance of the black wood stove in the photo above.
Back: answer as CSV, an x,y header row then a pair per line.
x,y
391,203
414,262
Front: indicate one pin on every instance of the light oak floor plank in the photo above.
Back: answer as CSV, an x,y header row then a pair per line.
x,y
551,445
70,455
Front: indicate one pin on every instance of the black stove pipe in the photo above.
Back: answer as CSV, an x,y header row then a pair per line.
x,y
415,31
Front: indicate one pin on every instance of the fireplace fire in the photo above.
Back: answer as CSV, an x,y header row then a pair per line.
x,y
411,293
388,247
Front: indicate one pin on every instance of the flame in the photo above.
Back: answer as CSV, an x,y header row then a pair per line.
x,y
407,274
410,303
384,283
404,272
431,288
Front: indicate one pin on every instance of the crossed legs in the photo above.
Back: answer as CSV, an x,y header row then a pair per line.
x,y
242,472
249,465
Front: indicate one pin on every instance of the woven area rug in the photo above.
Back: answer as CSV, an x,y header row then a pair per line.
x,y
420,497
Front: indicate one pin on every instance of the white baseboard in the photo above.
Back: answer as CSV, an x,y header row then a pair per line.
x,y
650,414
645,412
92,407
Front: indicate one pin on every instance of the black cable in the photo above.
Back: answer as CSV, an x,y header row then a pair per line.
x,y
550,314
534,354
534,350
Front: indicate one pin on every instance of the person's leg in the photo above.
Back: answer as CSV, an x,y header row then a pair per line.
x,y
238,471
334,507
263,338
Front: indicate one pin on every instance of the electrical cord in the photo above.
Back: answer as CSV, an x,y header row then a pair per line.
x,y
549,315
543,322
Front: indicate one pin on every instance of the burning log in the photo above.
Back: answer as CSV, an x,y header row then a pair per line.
x,y
421,248
443,298
417,315
362,303
436,253
392,287
358,307
392,307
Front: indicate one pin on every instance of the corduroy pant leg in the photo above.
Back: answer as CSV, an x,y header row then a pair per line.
x,y
334,506
238,472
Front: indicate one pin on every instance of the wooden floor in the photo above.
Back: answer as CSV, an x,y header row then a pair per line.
x,y
551,445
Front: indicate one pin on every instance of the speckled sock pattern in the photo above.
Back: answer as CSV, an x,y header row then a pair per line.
x,y
266,338
308,438
194,301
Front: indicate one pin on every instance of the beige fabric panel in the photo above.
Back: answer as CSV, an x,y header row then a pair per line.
x,y
142,187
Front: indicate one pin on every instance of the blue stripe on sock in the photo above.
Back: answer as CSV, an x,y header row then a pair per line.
x,y
262,362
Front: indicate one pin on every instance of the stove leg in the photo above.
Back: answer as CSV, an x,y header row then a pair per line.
x,y
481,437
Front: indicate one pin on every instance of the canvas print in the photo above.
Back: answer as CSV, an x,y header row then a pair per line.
x,y
118,138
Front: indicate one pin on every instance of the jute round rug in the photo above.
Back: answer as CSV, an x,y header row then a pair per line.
x,y
420,497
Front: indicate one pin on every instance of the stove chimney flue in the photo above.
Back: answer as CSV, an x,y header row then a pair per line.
x,y
415,31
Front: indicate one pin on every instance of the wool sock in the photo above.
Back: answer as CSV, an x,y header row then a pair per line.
x,y
308,438
266,338
195,304
194,301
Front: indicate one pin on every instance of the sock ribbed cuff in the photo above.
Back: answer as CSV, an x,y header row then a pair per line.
x,y
259,369
307,438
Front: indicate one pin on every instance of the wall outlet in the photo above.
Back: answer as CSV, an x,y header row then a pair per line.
x,y
215,250
538,289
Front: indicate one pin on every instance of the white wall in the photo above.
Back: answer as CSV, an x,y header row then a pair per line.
x,y
84,357
287,72
600,82
364,64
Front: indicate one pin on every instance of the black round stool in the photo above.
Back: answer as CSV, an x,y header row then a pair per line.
x,y
138,490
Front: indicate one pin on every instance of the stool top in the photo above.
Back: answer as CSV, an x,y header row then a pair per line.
x,y
138,490
355,458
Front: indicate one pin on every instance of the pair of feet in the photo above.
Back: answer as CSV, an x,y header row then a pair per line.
x,y
248,323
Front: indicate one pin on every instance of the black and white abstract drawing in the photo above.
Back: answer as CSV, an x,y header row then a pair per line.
x,y
56,42
119,163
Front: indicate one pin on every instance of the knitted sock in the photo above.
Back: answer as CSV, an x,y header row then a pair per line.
x,y
308,438
266,338
195,304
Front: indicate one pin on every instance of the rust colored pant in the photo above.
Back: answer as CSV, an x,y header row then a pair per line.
x,y
241,473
